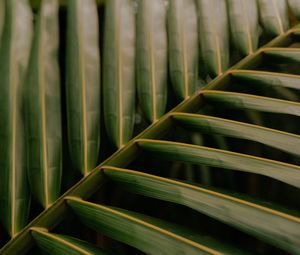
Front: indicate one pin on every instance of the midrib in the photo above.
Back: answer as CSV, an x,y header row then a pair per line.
x,y
247,28
152,64
184,57
83,86
120,82
13,78
278,16
42,102
218,54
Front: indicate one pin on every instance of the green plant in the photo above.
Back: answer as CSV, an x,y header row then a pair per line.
x,y
176,188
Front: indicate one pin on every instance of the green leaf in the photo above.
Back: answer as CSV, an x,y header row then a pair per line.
x,y
183,47
201,155
214,35
243,15
57,244
2,17
14,52
267,78
218,126
83,84
152,58
279,228
286,55
295,7
274,16
43,113
147,234
245,101
119,70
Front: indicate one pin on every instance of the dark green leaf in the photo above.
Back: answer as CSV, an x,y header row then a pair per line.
x,y
214,35
152,58
63,245
295,7
2,16
286,55
274,16
118,70
268,78
243,15
201,155
43,113
279,228
245,101
183,46
14,55
147,234
83,84
217,126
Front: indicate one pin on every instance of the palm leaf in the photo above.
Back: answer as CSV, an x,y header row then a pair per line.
x,y
283,55
243,15
279,228
83,84
2,13
15,49
218,126
295,7
152,58
169,239
258,103
43,115
263,78
201,155
62,245
213,34
118,71
274,16
183,47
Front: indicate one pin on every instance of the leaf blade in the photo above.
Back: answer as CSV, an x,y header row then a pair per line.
x,y
136,231
245,101
214,42
201,155
83,84
183,47
287,55
15,49
243,16
274,16
118,75
43,115
58,244
152,58
217,205
267,78
295,7
218,126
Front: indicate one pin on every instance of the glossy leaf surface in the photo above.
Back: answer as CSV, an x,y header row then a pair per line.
x,y
14,55
243,16
183,47
279,228
43,115
202,155
119,71
151,58
83,84
274,16
214,35
58,244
